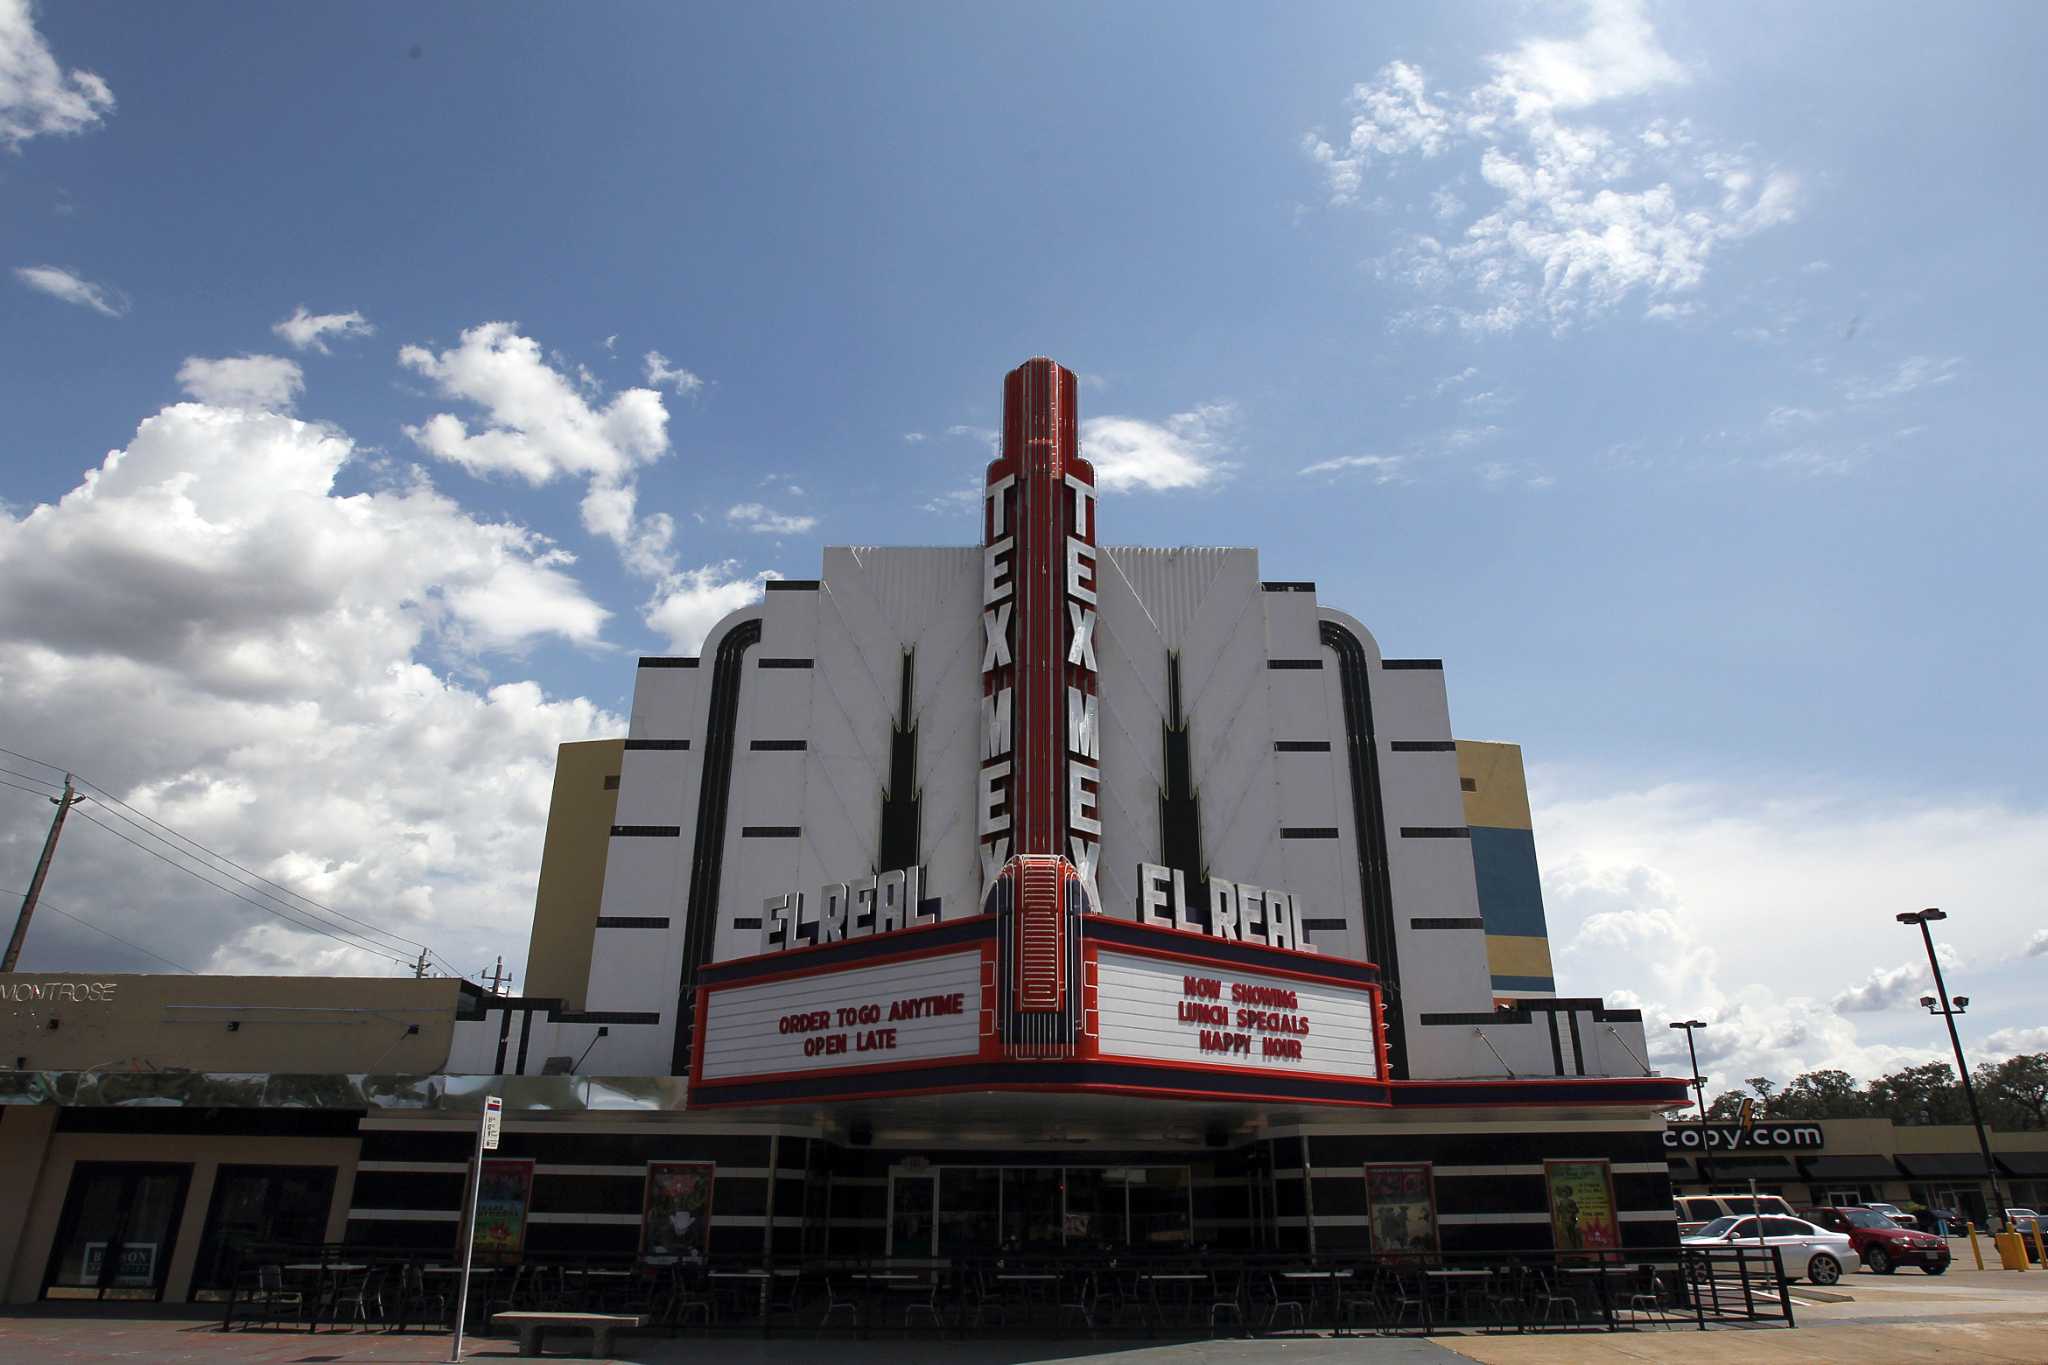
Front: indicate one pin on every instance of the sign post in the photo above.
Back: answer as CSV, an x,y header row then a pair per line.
x,y
488,1128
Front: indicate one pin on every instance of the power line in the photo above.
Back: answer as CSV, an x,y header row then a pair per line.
x,y
27,777
110,801
80,919
30,790
302,923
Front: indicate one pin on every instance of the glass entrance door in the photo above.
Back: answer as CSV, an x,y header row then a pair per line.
x,y
120,1220
913,1208
258,1205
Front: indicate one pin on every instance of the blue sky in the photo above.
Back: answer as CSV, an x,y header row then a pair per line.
x,y
1670,371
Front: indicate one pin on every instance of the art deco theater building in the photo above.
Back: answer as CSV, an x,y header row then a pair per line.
x,y
1042,891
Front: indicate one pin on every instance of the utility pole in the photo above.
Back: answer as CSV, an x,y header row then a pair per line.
x,y
419,968
498,975
1948,1008
63,804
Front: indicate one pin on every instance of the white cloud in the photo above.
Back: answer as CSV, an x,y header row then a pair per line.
x,y
611,343
660,372
1887,987
988,436
1589,202
1759,910
692,602
753,516
68,285
265,382
1382,468
2012,1042
2037,946
308,331
293,675
1186,451
1911,374
539,426
913,437
37,95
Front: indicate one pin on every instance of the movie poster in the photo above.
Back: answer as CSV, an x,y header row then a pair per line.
x,y
1401,1203
1582,1215
676,1218
501,1203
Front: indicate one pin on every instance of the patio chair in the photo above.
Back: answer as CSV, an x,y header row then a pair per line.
x,y
835,1302
683,1297
1507,1297
984,1302
1226,1295
1400,1295
1646,1296
1277,1305
415,1301
1547,1304
506,1296
1077,1297
1124,1297
268,1299
1360,1299
361,1298
923,1300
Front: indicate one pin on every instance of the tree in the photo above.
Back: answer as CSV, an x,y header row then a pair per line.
x,y
1764,1086
1916,1095
2014,1093
1726,1108
1826,1094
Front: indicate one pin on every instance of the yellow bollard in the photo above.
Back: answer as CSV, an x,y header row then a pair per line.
x,y
1975,1250
2012,1250
2040,1251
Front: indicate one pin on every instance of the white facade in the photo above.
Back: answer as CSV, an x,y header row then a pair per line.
x,y
1262,698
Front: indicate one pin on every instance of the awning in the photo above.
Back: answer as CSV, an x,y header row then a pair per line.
x,y
1723,1169
1937,1165
2033,1165
1849,1168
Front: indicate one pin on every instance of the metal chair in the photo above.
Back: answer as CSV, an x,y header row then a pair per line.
x,y
416,1300
926,1303
1078,1297
1545,1301
834,1303
268,1299
1226,1295
362,1298
1646,1297
1277,1305
1398,1294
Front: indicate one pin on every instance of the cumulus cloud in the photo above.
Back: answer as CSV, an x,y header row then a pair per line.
x,y
1767,912
694,601
267,382
67,285
2014,1042
208,627
660,372
2037,946
753,516
1586,199
309,331
538,425
1185,451
38,97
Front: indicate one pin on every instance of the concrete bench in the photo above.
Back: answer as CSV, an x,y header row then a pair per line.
x,y
533,1328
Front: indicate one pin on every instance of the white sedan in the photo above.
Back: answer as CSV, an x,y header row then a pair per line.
x,y
1809,1252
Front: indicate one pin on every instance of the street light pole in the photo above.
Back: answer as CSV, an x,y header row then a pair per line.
x,y
1699,1082
1948,1010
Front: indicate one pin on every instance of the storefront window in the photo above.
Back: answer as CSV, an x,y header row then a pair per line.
x,y
967,1210
261,1205
1159,1208
1096,1205
1031,1208
116,1237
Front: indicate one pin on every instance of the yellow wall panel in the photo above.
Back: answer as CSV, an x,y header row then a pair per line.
x,y
572,862
1499,797
1517,955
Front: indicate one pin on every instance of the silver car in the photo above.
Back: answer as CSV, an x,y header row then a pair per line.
x,y
1809,1252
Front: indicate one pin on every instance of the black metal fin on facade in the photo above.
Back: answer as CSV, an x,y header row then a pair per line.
x,y
901,799
1180,809
714,798
1369,825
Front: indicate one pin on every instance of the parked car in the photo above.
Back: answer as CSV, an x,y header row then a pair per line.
x,y
1695,1211
1809,1252
1895,1213
1880,1241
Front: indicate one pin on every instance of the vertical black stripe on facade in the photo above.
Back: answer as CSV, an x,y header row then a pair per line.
x,y
901,800
1369,825
1180,813
707,858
